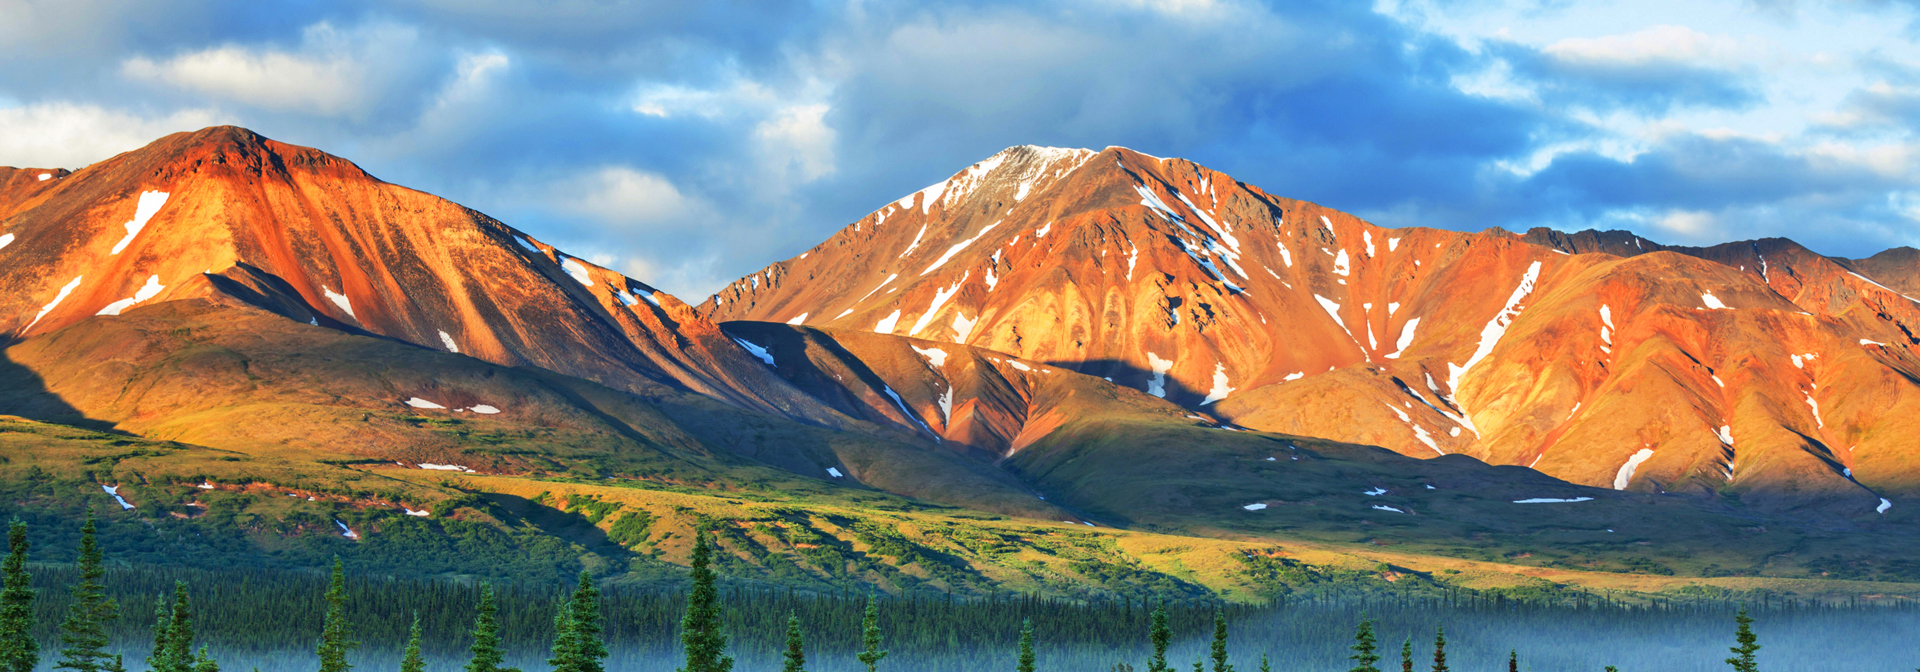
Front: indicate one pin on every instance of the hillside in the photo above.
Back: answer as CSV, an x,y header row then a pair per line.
x,y
1753,370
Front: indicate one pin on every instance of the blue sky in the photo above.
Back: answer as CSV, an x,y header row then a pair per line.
x,y
688,143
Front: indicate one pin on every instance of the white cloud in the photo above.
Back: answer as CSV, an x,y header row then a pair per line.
x,y
623,197
798,140
71,135
334,73
1655,45
1691,224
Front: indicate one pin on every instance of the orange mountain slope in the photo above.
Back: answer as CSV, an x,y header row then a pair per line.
x,y
346,250
1759,369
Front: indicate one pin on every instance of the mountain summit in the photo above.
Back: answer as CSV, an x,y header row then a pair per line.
x,y
1601,358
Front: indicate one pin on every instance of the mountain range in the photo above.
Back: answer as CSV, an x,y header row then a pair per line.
x,y
1053,364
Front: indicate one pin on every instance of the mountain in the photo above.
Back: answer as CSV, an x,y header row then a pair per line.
x,y
252,353
1759,370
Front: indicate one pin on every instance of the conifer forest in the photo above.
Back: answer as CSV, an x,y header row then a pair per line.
x,y
93,615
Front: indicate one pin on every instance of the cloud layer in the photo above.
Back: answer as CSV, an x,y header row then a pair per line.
x,y
691,143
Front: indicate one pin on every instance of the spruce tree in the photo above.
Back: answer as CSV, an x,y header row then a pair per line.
x,y
1406,655
1200,664
173,634
1161,636
588,633
1440,650
1364,649
486,651
565,656
1220,663
1742,660
1513,660
795,656
158,660
412,661
336,636
1026,647
83,636
19,651
1263,664
870,636
204,663
706,645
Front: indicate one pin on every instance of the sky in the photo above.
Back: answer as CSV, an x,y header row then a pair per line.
x,y
690,143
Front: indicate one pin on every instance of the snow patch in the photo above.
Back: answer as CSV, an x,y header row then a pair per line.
x,y
448,341
940,297
1256,506
1817,422
1862,341
1712,301
45,176
1490,336
147,291
1375,492
1295,376
578,270
935,356
800,319
1726,434
5,240
1884,505
1406,337
417,514
346,531
340,300
149,205
963,245
1220,389
429,466
114,490
57,298
1552,500
1341,264
1383,507
909,412
946,405
484,409
962,327
1285,254
1368,237
916,243
756,351
886,324
1157,386
1393,244
834,472
1625,476
417,402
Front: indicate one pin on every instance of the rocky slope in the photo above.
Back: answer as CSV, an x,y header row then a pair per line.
x,y
1756,369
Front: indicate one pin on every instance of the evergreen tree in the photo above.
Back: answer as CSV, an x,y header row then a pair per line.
x,y
796,654
83,636
1742,660
412,661
1406,655
1263,664
1200,664
487,655
173,634
19,651
566,640
204,663
1220,663
1513,660
1161,636
588,633
157,660
336,637
1364,649
1440,650
706,645
870,636
1026,647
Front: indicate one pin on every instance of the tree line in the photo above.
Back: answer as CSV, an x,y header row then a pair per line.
x,y
579,642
